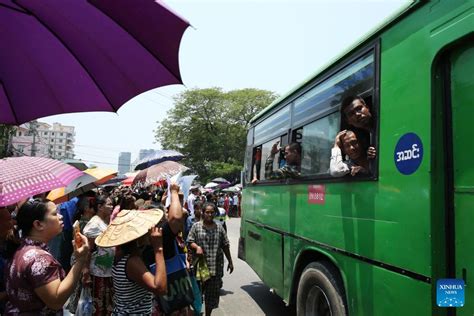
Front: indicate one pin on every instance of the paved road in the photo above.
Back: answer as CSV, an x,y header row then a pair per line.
x,y
243,292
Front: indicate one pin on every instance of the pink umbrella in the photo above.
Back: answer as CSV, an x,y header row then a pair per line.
x,y
22,177
158,172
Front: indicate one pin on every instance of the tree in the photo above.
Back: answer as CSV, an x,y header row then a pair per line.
x,y
5,132
209,127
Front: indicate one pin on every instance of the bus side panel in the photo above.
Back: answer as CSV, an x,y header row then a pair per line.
x,y
371,290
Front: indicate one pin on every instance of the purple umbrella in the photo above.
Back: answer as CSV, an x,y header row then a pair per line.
x,y
77,56
157,157
22,177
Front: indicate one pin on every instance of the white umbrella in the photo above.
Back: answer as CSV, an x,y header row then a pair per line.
x,y
211,185
232,190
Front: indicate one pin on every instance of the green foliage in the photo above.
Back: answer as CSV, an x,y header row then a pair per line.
x,y
5,132
209,126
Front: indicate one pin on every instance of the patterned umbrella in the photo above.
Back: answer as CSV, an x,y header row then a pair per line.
x,y
22,177
102,175
89,180
158,172
157,157
78,186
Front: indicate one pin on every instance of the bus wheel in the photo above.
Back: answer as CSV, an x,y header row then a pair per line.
x,y
320,292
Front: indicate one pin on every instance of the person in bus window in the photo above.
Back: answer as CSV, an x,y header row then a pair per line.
x,y
292,166
358,117
346,143
257,161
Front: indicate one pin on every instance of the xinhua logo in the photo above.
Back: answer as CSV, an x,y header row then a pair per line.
x,y
450,293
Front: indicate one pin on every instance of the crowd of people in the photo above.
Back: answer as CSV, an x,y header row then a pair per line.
x,y
48,265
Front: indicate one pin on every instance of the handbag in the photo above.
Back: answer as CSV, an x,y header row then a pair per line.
x,y
84,306
202,271
180,289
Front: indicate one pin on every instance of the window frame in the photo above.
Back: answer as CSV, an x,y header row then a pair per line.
x,y
374,46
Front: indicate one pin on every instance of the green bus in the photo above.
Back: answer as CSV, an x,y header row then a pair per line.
x,y
376,243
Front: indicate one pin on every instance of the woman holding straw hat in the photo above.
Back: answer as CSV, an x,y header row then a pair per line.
x,y
134,285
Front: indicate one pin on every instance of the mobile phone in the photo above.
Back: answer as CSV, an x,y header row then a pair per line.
x,y
77,238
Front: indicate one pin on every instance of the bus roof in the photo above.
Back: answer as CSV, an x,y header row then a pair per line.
x,y
408,6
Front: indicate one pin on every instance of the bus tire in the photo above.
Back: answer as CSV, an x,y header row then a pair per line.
x,y
320,292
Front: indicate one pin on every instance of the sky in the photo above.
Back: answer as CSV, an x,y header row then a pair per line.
x,y
264,44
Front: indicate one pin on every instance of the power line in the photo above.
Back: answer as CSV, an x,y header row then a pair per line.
x,y
89,154
164,95
100,148
105,163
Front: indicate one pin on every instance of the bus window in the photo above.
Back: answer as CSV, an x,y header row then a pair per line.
x,y
257,162
317,141
248,162
266,149
273,126
285,161
355,79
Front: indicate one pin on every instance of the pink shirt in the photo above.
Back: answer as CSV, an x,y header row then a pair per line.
x,y
31,267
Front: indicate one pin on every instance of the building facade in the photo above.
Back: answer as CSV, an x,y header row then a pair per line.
x,y
124,160
44,140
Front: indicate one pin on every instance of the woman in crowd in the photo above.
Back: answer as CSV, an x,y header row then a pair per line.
x,y
86,209
36,283
101,259
134,285
172,232
6,233
210,240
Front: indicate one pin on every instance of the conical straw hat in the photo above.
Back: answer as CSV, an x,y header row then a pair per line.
x,y
127,226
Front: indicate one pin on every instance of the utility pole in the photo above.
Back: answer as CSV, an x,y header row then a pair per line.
x,y
33,131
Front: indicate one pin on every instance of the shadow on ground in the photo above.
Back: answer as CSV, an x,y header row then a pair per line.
x,y
269,303
225,292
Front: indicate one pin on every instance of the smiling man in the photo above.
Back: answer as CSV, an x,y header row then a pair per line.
x,y
357,113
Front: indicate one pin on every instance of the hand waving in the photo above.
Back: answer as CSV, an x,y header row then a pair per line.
x,y
155,235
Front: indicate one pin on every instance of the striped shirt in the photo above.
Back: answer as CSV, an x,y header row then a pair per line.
x,y
130,298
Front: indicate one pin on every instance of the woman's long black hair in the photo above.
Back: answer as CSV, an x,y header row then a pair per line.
x,y
25,218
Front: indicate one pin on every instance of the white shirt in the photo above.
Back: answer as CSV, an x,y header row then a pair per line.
x,y
190,202
102,258
337,167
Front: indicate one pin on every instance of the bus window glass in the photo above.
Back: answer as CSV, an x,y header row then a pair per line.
x,y
248,155
250,137
256,162
356,79
266,149
275,125
318,139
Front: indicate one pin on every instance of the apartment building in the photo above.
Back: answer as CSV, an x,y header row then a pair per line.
x,y
44,140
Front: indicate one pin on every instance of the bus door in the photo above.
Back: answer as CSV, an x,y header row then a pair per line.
x,y
461,78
